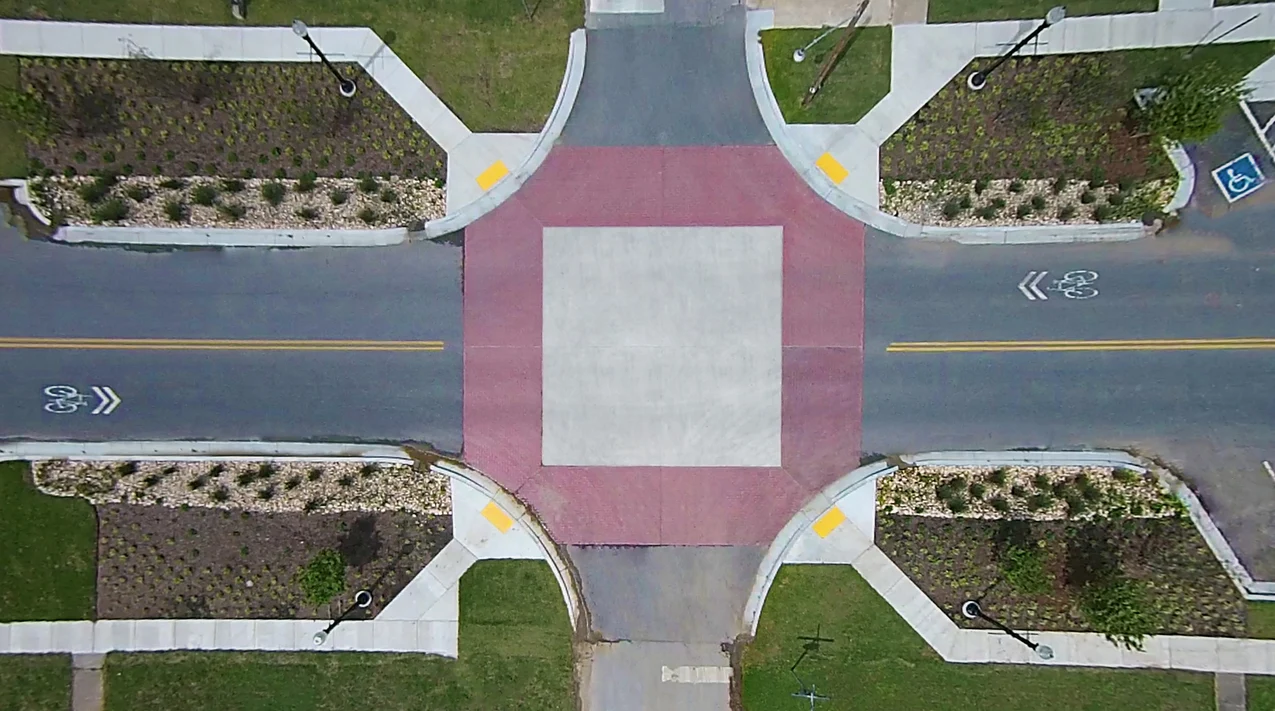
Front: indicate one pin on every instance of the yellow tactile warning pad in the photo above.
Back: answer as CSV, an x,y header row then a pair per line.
x,y
829,165
492,175
828,522
498,518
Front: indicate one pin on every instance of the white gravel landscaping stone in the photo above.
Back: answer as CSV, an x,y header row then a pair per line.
x,y
390,487
921,201
913,491
415,200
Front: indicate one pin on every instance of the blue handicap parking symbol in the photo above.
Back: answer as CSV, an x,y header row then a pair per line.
x,y
1239,178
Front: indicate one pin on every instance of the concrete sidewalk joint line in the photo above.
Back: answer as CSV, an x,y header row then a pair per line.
x,y
954,644
97,40
925,57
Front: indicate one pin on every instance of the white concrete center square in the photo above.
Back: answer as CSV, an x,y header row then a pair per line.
x,y
662,346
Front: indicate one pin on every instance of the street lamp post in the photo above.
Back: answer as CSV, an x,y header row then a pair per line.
x,y
799,54
972,610
978,79
362,599
347,86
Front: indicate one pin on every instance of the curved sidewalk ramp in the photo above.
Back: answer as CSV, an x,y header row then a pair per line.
x,y
837,527
841,162
479,164
487,523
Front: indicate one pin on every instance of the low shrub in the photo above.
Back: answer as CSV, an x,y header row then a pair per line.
x,y
232,211
1102,213
998,477
1038,202
1120,609
112,210
1059,185
1066,212
307,213
977,490
1015,186
980,185
94,192
307,181
323,578
176,211
273,193
1024,568
232,185
369,184
204,195
138,193
999,504
339,197
1023,210
951,209
368,216
173,184
388,195
1088,197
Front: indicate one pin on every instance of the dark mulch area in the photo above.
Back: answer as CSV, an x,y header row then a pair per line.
x,y
954,560
1049,116
222,118
156,561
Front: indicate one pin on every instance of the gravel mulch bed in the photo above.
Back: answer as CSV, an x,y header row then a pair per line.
x,y
1040,493
159,562
331,203
954,560
247,119
283,486
960,203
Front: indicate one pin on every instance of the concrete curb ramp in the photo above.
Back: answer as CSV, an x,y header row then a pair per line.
x,y
487,523
821,524
478,159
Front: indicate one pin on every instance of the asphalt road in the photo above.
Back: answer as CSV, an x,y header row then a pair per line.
x,y
1209,412
407,293
676,78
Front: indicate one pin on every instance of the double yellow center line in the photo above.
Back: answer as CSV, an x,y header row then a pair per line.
x,y
1180,344
214,344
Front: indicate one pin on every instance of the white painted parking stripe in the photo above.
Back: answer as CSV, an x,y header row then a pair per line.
x,y
1269,470
696,675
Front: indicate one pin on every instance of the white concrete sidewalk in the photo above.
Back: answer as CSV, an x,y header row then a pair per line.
x,y
841,162
487,523
837,528
483,169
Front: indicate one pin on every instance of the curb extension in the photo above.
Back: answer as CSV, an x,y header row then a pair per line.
x,y
316,452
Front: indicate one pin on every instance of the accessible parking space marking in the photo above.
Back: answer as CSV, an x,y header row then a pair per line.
x,y
195,344
1184,344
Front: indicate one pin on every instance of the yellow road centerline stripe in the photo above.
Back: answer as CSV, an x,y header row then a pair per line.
x,y
215,344
1183,344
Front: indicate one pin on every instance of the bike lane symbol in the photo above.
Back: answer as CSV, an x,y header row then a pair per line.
x,y
67,399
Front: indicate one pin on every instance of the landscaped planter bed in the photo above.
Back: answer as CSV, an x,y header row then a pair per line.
x,y
954,203
1061,128
334,203
940,527
241,119
161,562
310,487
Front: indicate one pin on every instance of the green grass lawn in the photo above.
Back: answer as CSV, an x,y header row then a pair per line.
x,y
857,83
975,10
515,653
47,563
35,682
1261,620
497,70
878,662
1261,693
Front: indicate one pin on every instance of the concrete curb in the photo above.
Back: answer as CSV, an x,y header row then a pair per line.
x,y
224,237
309,451
1186,177
823,501
545,142
804,164
22,193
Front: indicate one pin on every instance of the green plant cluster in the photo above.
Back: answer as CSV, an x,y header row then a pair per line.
x,y
323,578
1189,103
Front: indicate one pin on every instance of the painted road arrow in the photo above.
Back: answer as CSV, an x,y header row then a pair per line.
x,y
1030,286
109,400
